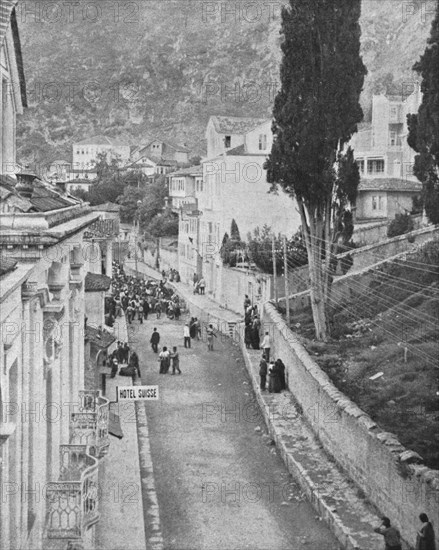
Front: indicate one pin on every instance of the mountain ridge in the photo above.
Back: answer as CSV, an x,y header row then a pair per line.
x,y
161,68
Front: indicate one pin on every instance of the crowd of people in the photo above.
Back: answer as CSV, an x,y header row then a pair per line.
x,y
137,299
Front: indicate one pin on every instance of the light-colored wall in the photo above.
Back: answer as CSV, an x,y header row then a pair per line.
x,y
88,159
94,308
37,389
252,138
360,447
215,141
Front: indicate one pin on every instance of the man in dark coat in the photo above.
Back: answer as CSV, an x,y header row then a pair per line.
x,y
155,339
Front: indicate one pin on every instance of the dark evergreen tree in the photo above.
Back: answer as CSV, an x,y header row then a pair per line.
x,y
315,114
234,231
424,127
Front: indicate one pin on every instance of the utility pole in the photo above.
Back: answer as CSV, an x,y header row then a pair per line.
x,y
287,292
273,253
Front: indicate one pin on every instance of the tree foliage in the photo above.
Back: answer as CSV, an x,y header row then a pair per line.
x,y
424,126
315,114
402,224
260,250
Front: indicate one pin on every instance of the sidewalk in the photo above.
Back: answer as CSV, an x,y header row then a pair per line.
x,y
122,523
332,494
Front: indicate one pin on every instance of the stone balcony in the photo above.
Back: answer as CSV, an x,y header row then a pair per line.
x,y
73,500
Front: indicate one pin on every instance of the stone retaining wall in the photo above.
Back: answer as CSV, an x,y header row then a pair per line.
x,y
392,477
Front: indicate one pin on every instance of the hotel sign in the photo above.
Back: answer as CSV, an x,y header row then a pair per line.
x,y
137,393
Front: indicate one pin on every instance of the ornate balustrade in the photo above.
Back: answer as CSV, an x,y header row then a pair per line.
x,y
73,500
89,426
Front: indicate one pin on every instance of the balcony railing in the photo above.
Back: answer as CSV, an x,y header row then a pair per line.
x,y
73,500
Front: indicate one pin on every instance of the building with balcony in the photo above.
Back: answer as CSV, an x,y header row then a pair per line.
x,y
385,159
183,184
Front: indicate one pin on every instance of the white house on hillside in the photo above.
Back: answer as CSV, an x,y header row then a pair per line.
x,y
86,151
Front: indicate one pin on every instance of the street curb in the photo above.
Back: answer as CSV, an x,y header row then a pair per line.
x,y
151,510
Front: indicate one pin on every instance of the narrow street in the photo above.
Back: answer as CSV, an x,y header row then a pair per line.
x,y
220,483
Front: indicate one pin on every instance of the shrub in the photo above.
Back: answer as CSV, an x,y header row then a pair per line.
x,y
402,224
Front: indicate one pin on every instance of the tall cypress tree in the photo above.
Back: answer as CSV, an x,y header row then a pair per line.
x,y
424,127
315,114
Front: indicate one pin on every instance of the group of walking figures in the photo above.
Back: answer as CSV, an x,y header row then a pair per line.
x,y
137,298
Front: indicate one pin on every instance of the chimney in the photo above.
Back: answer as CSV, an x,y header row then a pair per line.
x,y
25,183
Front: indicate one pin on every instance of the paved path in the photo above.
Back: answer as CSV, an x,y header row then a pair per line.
x,y
220,482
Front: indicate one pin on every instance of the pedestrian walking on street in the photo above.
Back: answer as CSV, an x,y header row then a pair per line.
x,y
164,360
186,336
202,285
263,369
126,352
266,345
175,360
392,537
114,367
155,339
130,313
140,313
210,335
197,328
158,309
145,309
425,539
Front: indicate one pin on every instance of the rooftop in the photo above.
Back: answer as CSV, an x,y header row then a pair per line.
x,y
107,207
102,140
389,184
7,265
94,282
189,171
101,338
236,125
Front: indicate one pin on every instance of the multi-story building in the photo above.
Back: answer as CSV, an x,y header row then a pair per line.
x,y
85,154
53,423
230,185
385,159
184,185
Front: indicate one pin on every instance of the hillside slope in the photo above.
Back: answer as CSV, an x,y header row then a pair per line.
x,y
162,67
